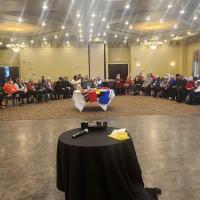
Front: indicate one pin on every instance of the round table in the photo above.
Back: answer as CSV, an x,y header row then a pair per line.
x,y
97,167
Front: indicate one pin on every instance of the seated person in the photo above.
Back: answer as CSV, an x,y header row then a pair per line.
x,y
41,91
146,86
163,93
171,88
127,84
68,90
32,93
118,84
21,90
155,87
193,97
2,106
98,82
190,85
49,88
59,88
86,82
136,86
180,90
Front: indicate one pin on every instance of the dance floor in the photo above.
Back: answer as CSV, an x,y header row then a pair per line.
x,y
167,147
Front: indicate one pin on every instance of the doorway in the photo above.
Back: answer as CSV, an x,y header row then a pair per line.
x,y
7,71
114,69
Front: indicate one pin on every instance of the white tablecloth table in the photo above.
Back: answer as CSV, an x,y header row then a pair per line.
x,y
80,102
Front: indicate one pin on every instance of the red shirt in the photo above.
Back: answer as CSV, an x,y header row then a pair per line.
x,y
190,85
9,88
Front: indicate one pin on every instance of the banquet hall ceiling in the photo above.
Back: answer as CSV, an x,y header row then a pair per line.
x,y
59,21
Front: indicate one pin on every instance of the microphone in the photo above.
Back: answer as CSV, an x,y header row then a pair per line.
x,y
82,132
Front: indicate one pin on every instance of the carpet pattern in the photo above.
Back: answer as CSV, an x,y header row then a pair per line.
x,y
120,106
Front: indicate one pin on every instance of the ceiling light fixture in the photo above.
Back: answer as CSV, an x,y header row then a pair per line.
x,y
107,26
131,27
43,24
78,15
161,20
138,39
169,6
1,43
67,34
195,18
175,26
92,24
182,11
44,39
127,6
55,36
79,24
104,34
93,15
103,19
98,34
63,27
115,36
148,18
45,6
19,19
126,22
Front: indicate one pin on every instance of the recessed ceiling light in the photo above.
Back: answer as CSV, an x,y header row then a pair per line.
x,y
126,38
79,24
115,36
12,39
67,42
182,11
81,36
19,19
105,42
93,15
92,24
1,43
98,34
67,34
130,27
80,31
107,26
175,26
104,34
189,33
43,24
125,41
63,27
90,35
127,6
169,5
55,36
195,18
81,40
138,39
145,41
45,6
172,35
126,23
103,19
44,39
90,40
91,31
165,40
148,18
78,15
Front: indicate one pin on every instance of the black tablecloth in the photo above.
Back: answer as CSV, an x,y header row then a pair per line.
x,y
96,167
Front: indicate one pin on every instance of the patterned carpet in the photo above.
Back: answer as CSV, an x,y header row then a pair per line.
x,y
120,106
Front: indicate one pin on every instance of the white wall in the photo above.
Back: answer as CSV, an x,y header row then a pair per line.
x,y
53,62
157,61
